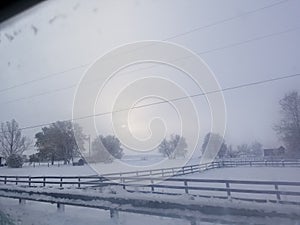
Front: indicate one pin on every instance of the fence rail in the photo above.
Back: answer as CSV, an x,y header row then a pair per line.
x,y
272,191
178,171
164,181
136,175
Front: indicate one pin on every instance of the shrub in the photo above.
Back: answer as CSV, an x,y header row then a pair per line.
x,y
14,161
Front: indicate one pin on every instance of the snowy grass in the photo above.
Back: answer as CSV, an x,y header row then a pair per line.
x,y
100,198
4,219
44,170
251,173
103,168
36,213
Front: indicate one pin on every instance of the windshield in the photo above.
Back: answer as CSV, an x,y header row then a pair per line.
x,y
203,93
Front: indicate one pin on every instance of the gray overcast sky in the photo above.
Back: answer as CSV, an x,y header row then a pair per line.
x,y
58,35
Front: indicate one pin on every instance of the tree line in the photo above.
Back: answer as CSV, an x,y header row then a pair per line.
x,y
60,141
57,141
255,149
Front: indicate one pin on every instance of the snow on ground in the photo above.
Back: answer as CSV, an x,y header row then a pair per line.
x,y
146,164
44,170
33,213
254,174
70,170
36,213
251,173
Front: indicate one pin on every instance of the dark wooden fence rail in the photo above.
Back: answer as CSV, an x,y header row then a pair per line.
x,y
165,172
277,190
164,181
258,163
83,181
272,191
178,171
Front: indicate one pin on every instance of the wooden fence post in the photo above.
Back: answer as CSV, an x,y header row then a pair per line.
x,y
152,187
44,181
228,190
5,180
186,187
277,193
123,183
29,181
114,214
61,180
60,207
22,201
78,182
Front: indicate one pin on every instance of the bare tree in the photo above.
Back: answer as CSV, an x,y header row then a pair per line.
x,y
11,140
175,147
231,153
214,141
106,149
288,128
178,145
243,149
256,149
164,148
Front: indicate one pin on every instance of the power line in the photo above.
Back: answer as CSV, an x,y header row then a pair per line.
x,y
194,95
152,66
225,20
226,46
43,78
41,94
251,40
172,100
166,39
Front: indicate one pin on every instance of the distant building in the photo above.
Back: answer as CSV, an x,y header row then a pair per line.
x,y
274,152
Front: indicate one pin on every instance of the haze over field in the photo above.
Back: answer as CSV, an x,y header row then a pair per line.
x,y
63,38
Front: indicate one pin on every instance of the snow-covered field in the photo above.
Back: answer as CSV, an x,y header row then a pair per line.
x,y
251,173
44,170
44,213
69,170
238,173
36,213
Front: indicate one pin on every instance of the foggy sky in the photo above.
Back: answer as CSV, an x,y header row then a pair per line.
x,y
58,35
